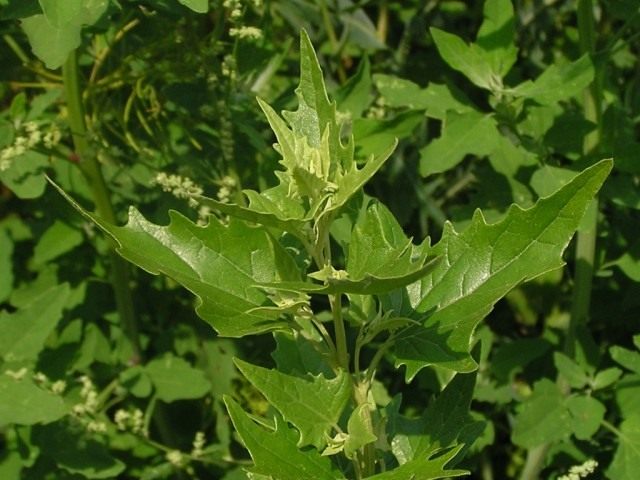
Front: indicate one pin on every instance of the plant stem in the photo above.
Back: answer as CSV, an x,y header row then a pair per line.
x,y
587,234
341,334
93,174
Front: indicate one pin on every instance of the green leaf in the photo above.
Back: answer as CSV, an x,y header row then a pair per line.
x,y
275,453
175,379
606,378
586,415
480,265
6,265
220,264
24,403
496,36
57,240
471,133
312,404
23,333
424,468
625,357
575,375
544,417
297,355
558,82
355,95
359,430
510,358
320,173
627,457
199,6
50,44
25,175
468,59
63,13
436,99
439,427
75,451
376,135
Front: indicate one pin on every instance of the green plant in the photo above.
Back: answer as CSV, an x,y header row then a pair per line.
x,y
256,268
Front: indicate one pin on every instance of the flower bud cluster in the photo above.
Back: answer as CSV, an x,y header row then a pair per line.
x,y
580,471
30,137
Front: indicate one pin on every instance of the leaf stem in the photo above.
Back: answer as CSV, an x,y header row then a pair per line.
x,y
93,174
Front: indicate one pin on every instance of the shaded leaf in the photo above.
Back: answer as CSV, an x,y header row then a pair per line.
x,y
74,451
175,379
544,417
627,358
23,333
360,430
51,44
570,370
24,403
471,133
496,36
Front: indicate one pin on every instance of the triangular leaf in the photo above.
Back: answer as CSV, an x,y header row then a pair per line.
x,y
275,453
313,404
424,468
220,264
480,266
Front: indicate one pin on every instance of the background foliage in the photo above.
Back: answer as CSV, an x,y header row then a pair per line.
x,y
492,105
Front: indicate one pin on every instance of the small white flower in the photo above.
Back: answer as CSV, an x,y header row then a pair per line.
x,y
121,419
17,375
137,421
175,458
58,387
96,427
580,471
40,377
198,444
249,33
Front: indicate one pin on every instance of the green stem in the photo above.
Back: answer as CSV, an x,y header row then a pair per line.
x,y
587,234
90,167
340,332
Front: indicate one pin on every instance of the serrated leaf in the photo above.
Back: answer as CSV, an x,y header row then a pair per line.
x,y
544,417
627,457
297,355
570,370
496,36
471,133
627,358
480,265
586,415
175,379
558,82
468,59
424,468
23,333
275,453
312,404
320,174
440,425
220,264
24,403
